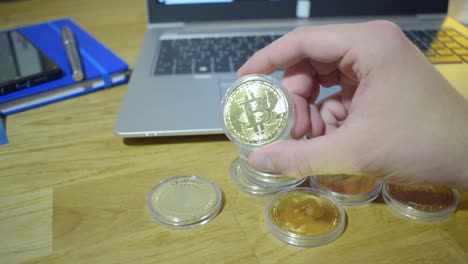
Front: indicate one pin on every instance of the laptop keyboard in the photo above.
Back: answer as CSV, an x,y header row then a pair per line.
x,y
440,46
227,54
208,55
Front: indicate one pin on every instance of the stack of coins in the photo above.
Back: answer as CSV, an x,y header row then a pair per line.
x,y
348,189
257,111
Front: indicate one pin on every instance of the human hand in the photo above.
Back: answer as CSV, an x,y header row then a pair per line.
x,y
396,117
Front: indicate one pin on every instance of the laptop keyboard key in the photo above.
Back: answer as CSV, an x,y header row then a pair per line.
x,y
460,51
422,45
430,53
183,66
444,52
203,65
423,37
446,59
237,62
163,68
450,32
444,39
462,41
452,45
436,45
222,65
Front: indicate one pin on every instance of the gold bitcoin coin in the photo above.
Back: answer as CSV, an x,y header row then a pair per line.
x,y
304,217
256,111
305,214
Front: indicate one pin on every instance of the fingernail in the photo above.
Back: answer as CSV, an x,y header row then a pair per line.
x,y
261,163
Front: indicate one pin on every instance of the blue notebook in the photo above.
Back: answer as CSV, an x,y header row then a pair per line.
x,y
101,67
3,136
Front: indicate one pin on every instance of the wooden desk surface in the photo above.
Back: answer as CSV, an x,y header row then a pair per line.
x,y
72,192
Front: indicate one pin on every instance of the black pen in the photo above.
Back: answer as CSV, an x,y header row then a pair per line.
x,y
71,50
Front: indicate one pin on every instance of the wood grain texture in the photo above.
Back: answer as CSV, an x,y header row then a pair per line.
x,y
72,192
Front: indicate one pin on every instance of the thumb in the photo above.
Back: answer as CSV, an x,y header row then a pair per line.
x,y
328,154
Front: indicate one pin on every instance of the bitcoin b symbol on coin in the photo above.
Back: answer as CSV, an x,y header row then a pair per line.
x,y
257,113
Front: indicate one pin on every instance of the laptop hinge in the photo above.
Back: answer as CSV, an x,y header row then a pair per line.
x,y
166,25
431,16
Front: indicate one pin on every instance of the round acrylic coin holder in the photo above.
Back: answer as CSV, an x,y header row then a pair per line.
x,y
305,217
431,203
247,186
247,183
267,179
348,189
184,201
257,110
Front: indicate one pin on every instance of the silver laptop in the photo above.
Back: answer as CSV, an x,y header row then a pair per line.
x,y
192,49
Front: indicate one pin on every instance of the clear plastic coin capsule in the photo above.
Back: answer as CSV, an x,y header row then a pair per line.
x,y
184,201
248,183
430,203
268,179
245,185
348,189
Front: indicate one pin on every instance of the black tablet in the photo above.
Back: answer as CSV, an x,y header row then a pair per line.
x,y
22,65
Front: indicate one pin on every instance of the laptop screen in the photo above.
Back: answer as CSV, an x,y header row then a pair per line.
x,y
210,10
185,2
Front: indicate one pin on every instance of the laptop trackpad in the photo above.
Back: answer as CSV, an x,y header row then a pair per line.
x,y
200,104
187,106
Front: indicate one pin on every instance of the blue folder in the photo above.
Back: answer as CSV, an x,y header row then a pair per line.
x,y
101,67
